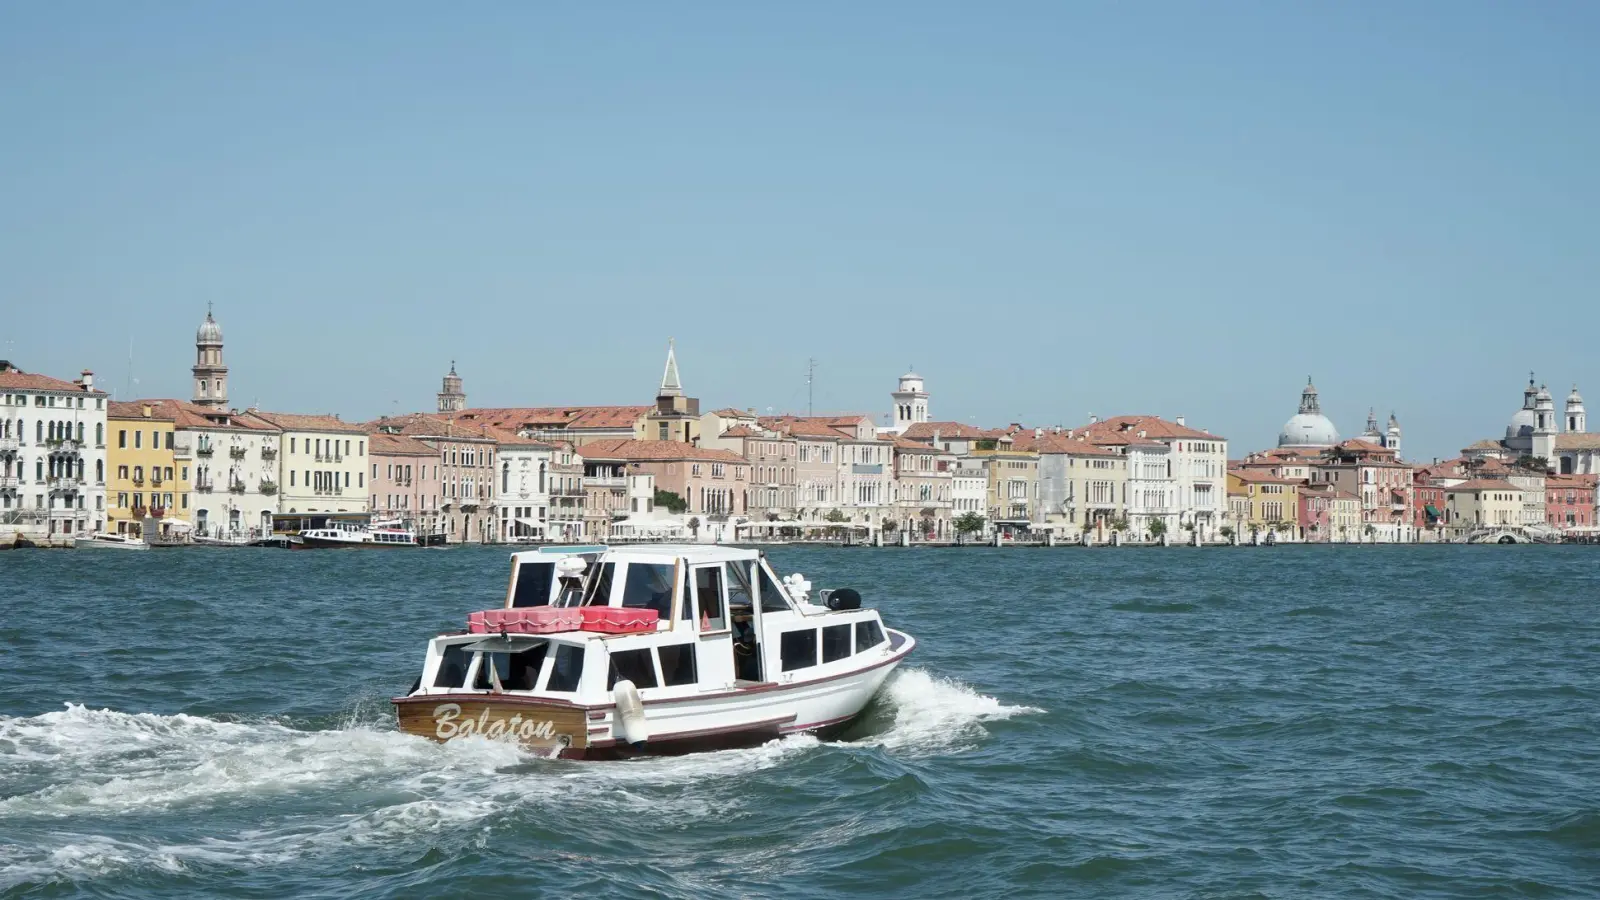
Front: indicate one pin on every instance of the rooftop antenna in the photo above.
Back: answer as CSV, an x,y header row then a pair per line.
x,y
811,377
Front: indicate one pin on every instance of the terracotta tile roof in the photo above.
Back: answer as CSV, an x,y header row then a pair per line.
x,y
554,418
1478,485
1486,445
1153,426
1578,442
398,445
186,415
646,451
1254,477
740,431
297,422
803,428
18,380
422,425
1071,446
923,431
1361,446
1582,482
160,411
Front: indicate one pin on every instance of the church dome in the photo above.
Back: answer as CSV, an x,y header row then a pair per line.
x,y
210,332
1309,427
1521,424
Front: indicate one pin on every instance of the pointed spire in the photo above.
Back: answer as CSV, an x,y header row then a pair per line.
x,y
1372,420
670,385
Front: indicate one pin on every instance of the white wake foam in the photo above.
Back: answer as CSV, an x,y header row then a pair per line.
x,y
933,714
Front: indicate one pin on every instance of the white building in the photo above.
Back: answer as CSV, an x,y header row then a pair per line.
x,y
522,503
1152,493
322,463
234,490
969,489
52,454
1199,465
866,471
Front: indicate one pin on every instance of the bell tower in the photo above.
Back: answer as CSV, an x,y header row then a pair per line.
x,y
210,375
910,402
452,398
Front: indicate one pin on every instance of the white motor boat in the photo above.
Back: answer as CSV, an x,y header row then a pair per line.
x,y
107,540
353,535
608,652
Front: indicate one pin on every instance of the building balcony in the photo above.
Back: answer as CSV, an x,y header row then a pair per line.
x,y
137,479
10,483
203,449
567,492
605,481
203,485
138,512
236,487
469,506
268,488
237,452
269,452
65,485
9,445
64,447
158,512
155,481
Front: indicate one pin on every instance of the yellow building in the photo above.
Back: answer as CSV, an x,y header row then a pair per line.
x,y
1270,505
143,477
1482,503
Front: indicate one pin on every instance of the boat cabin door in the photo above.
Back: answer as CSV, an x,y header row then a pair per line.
x,y
725,655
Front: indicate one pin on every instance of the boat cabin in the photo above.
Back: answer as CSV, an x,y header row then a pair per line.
x,y
714,619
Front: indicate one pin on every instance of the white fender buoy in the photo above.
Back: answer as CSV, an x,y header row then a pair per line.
x,y
630,713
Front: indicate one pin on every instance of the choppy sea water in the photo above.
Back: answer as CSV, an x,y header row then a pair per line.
x,y
1276,722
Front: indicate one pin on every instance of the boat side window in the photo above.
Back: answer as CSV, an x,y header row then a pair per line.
x,y
708,593
502,666
634,665
798,649
524,669
773,598
599,589
452,668
677,664
533,584
648,586
568,669
739,590
836,642
868,635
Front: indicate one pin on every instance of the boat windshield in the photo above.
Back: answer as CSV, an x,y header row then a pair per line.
x,y
598,591
649,586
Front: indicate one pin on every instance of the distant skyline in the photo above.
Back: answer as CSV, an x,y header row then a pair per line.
x,y
1050,209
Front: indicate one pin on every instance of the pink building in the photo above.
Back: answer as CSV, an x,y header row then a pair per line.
x,y
404,481
712,482
465,456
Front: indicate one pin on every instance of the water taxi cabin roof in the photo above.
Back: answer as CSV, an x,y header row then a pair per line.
x,y
693,553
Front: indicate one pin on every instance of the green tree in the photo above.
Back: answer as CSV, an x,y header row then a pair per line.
x,y
835,515
694,527
670,501
1157,529
1226,531
969,523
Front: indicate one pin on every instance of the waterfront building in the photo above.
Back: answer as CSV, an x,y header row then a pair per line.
x,y
322,461
709,481
773,489
951,437
1382,483
466,458
404,481
1199,464
1270,505
922,491
866,471
52,454
1482,503
145,482
1428,502
228,467
969,490
1013,483
567,495
910,403
1081,484
816,467
522,502
1570,501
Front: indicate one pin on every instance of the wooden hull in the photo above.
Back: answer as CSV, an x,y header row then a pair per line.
x,y
538,726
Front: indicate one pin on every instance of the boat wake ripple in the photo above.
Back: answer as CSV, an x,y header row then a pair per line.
x,y
84,785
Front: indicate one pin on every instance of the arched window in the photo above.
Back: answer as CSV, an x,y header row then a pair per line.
x,y
505,477
100,470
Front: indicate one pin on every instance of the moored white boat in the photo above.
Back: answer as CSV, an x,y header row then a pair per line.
x,y
353,535
608,652
109,541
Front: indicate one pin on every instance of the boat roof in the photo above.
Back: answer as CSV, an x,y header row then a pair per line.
x,y
694,553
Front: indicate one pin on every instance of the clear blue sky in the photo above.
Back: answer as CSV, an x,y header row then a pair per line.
x,y
1050,209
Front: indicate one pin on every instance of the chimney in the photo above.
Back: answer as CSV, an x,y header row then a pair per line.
x,y
87,380
1038,432
1181,421
1094,419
